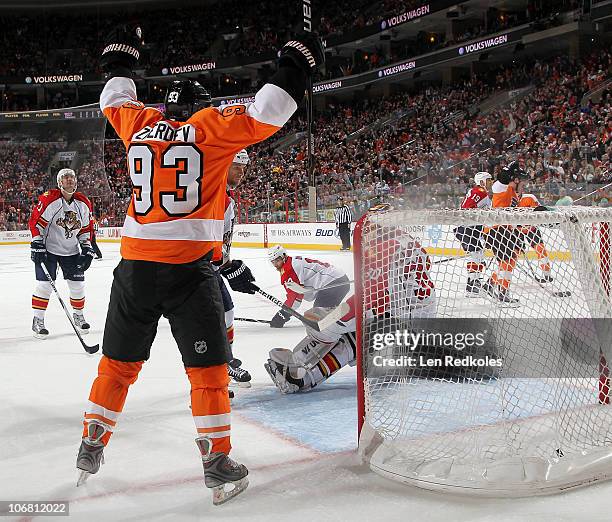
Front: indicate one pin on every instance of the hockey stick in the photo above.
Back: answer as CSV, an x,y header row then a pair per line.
x,y
593,192
248,320
88,349
332,317
447,259
533,276
307,26
290,311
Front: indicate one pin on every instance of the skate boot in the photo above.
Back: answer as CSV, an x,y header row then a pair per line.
x,y
220,470
38,327
473,287
498,293
239,375
504,297
81,323
91,451
546,278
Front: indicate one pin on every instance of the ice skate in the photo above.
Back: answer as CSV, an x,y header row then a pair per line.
x,y
81,323
546,278
239,376
501,295
473,287
91,452
38,328
221,471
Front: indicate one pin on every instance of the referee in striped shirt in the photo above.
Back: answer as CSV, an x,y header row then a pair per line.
x,y
344,216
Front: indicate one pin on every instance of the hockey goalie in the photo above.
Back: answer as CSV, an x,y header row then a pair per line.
x,y
397,283
316,357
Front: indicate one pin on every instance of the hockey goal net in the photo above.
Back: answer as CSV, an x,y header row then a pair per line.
x,y
496,387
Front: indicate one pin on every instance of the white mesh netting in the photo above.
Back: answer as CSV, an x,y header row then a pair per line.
x,y
526,410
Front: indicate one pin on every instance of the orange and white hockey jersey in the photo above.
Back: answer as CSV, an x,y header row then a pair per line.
x,y
528,201
504,196
61,224
179,169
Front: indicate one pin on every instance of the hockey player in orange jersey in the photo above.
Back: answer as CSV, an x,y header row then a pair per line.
x,y
178,164
505,241
534,236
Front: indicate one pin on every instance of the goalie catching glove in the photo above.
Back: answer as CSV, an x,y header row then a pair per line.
x,y
239,277
121,50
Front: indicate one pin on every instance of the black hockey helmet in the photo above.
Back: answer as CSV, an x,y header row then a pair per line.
x,y
184,98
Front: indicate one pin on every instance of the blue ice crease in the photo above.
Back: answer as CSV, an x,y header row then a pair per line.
x,y
324,419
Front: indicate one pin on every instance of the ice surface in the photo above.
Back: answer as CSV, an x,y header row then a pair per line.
x,y
300,449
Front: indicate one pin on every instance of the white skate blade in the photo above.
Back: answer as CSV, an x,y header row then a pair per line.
x,y
82,478
220,495
236,384
40,336
83,332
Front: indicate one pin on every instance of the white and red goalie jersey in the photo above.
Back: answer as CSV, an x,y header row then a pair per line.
x,y
476,197
308,273
62,224
397,277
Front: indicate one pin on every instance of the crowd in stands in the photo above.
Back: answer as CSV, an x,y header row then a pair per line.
x,y
417,149
437,144
55,43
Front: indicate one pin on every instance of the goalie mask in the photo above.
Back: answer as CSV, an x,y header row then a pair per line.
x,y
67,177
184,98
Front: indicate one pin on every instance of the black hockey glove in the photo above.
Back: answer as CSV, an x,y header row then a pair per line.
x,y
279,319
38,252
239,277
306,52
511,171
86,257
121,50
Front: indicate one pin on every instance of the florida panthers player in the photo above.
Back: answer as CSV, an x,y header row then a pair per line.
x,y
309,279
61,228
396,283
470,237
234,176
316,357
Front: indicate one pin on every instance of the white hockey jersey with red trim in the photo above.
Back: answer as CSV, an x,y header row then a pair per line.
x,y
307,272
61,224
